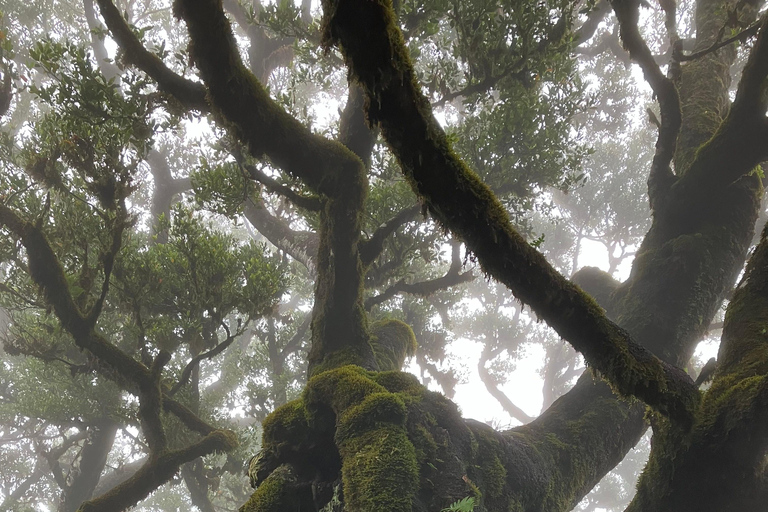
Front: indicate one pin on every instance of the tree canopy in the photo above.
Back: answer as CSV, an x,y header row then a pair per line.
x,y
226,227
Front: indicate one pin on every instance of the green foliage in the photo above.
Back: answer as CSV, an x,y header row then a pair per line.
x,y
464,505
222,188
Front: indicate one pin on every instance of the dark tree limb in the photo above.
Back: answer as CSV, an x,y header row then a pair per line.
x,y
158,470
421,288
190,94
367,33
195,362
299,245
371,249
661,177
326,167
311,203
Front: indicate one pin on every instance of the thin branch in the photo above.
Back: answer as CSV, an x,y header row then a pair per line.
x,y
294,343
422,288
742,36
311,203
370,249
218,349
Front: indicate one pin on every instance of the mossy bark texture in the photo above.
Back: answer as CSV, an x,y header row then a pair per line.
x,y
391,444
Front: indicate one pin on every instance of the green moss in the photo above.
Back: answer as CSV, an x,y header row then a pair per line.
x,y
393,341
340,389
399,382
380,472
269,496
374,410
280,491
286,425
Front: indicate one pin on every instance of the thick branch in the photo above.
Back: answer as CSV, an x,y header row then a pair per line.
x,y
93,459
157,471
188,93
326,167
376,55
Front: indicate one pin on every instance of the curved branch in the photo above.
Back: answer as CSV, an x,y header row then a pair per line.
x,y
493,389
311,203
190,94
422,288
371,249
661,177
299,245
218,349
377,57
157,471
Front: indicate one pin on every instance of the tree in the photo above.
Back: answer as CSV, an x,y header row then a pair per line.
x,y
391,443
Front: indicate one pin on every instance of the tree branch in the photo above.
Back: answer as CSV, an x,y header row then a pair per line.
x,y
594,17
371,249
300,245
190,94
493,389
422,288
311,203
661,177
373,49
218,349
157,471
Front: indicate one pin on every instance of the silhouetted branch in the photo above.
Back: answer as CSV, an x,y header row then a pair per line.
x,y
370,249
188,93
311,203
493,389
661,177
218,349
422,288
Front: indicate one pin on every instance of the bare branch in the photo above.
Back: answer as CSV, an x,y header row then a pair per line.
x,y
218,349
370,249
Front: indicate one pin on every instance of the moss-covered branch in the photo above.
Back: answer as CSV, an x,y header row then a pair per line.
x,y
188,93
326,167
730,426
47,272
374,51
158,470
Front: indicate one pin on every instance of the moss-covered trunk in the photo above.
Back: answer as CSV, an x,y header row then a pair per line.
x,y
395,446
